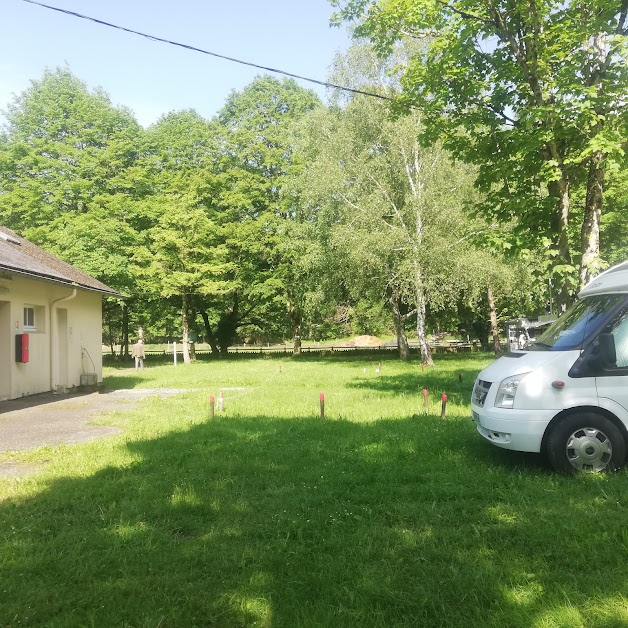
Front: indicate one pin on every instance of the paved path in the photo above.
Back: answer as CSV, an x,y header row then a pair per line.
x,y
49,419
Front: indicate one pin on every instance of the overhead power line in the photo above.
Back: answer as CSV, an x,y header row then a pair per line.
x,y
207,52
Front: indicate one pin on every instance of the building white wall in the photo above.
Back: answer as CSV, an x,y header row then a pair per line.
x,y
67,340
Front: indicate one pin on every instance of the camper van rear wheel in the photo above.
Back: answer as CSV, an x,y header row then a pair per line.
x,y
585,442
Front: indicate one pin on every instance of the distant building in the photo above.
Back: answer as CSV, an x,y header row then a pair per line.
x,y
521,332
50,321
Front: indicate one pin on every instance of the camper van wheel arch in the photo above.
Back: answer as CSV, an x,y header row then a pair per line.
x,y
585,441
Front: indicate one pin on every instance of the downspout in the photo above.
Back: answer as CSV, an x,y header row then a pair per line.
x,y
54,341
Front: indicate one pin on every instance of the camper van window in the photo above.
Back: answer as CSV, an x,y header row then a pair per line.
x,y
620,335
582,319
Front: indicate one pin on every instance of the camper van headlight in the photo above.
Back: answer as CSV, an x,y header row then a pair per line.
x,y
507,390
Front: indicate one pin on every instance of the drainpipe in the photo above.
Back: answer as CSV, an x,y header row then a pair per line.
x,y
54,340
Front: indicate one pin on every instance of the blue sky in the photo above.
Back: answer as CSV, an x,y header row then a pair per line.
x,y
152,78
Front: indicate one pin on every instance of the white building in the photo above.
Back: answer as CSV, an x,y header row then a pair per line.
x,y
50,321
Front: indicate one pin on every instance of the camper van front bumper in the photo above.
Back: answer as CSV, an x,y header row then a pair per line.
x,y
512,429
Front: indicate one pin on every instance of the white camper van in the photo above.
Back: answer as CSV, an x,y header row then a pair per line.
x,y
566,395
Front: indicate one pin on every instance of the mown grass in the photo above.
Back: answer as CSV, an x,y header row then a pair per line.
x,y
380,515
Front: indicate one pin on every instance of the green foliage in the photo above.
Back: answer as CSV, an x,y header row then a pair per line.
x,y
66,149
69,181
615,219
390,213
187,256
244,193
279,217
531,93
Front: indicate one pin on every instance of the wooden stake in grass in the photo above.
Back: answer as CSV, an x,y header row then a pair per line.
x,y
460,377
425,401
221,402
322,398
211,406
443,408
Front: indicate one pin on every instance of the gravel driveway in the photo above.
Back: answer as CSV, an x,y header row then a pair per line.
x,y
50,419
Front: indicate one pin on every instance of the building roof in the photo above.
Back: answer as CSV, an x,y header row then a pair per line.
x,y
20,256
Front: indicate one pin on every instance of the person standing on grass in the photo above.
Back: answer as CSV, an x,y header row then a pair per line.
x,y
138,354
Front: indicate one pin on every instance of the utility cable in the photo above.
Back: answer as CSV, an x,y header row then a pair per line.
x,y
212,54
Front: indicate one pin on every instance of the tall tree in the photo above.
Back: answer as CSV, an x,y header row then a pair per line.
x,y
392,208
65,149
187,258
184,253
531,91
68,179
255,157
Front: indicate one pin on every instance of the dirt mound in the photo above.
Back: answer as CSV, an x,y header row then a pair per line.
x,y
367,341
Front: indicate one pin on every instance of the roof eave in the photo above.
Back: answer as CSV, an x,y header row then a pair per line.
x,y
59,280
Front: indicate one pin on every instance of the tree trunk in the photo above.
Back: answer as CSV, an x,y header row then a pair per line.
x,y
399,320
590,242
493,315
421,333
297,341
413,169
192,319
211,338
227,327
184,325
560,189
107,312
124,347
481,330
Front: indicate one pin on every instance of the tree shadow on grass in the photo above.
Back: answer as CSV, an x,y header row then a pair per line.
x,y
122,382
299,522
508,460
40,399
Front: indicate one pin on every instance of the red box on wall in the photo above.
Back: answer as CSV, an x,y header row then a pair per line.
x,y
21,348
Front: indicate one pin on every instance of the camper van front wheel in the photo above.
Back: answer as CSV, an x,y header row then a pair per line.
x,y
585,442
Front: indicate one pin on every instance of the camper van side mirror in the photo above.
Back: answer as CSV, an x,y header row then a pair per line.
x,y
596,358
606,350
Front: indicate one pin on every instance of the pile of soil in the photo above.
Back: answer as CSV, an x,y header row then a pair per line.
x,y
367,341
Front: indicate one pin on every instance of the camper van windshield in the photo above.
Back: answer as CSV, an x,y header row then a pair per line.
x,y
572,328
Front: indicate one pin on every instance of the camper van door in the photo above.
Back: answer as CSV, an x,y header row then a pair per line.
x,y
612,385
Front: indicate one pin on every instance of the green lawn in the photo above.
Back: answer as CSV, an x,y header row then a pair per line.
x,y
380,515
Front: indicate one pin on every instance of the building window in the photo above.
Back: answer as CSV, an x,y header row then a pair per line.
x,y
29,318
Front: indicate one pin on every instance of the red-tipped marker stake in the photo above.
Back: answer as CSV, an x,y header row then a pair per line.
x,y
443,408
425,400
422,366
322,398
211,406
